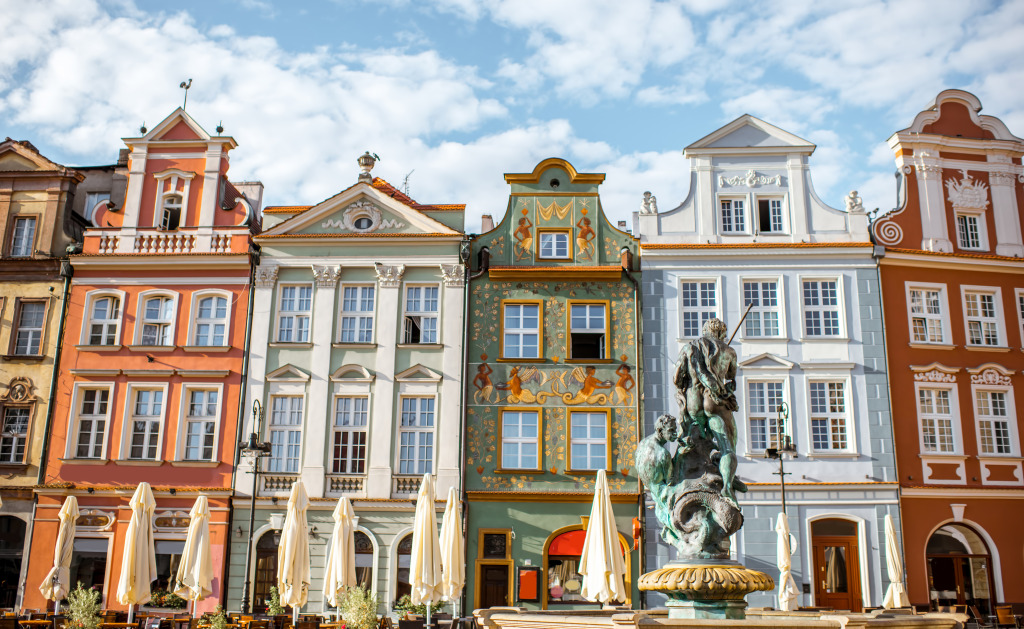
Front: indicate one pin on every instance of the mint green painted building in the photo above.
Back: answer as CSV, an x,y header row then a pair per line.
x,y
552,389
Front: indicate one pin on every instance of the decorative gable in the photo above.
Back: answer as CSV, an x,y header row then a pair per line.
x,y
750,132
353,373
288,373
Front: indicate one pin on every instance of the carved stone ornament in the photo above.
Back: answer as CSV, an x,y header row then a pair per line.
x,y
968,193
750,180
94,519
934,376
171,521
19,390
266,276
454,275
991,377
708,582
326,276
854,204
389,276
649,204
1002,179
372,219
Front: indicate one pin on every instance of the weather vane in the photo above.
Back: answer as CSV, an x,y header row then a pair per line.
x,y
185,86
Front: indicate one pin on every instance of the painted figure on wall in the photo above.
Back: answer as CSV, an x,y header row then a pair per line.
x,y
585,239
524,238
588,391
624,387
482,382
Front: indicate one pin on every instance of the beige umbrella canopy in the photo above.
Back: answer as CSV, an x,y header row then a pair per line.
x,y
194,580
340,572
138,565
293,554
425,576
896,595
788,594
57,584
453,555
601,564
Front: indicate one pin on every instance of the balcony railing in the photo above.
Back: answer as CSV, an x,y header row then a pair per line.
x,y
405,485
273,483
165,242
157,242
345,484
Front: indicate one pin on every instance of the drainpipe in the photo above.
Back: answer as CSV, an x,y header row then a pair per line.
x,y
626,259
464,254
66,271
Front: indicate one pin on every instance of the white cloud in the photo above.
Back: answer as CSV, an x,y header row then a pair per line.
x,y
787,108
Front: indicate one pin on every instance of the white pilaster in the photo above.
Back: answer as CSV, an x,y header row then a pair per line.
x,y
1005,214
211,176
449,425
318,409
934,230
263,298
799,198
382,423
133,199
706,210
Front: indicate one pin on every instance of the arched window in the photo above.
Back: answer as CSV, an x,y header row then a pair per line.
x,y
402,586
211,321
364,561
171,217
561,567
158,321
959,568
104,322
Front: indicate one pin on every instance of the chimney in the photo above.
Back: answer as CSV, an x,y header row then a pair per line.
x,y
486,223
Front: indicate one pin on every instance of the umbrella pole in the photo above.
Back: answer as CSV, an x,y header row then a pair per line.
x,y
131,612
428,613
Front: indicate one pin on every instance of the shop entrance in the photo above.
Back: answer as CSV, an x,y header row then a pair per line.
x,y
493,586
266,570
12,549
959,569
836,564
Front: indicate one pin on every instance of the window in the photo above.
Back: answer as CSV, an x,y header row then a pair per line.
x,y
350,419
926,315
30,318
416,436
285,433
554,245
588,330
520,431
294,314
92,423
158,321
147,409
211,321
763,297
168,557
92,201
104,321
733,218
588,440
421,314
968,231
24,237
828,415
994,422
201,424
521,331
171,217
936,420
357,313
982,318
698,303
769,215
821,308
764,399
1020,313
15,434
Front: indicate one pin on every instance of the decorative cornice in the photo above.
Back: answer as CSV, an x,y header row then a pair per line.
x,y
454,276
750,180
266,276
326,276
389,276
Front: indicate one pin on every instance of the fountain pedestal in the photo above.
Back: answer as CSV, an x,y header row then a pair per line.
x,y
706,589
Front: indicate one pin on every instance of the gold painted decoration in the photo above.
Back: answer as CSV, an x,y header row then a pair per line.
x,y
707,582
523,237
553,209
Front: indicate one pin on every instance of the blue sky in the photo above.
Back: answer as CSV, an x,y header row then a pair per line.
x,y
458,92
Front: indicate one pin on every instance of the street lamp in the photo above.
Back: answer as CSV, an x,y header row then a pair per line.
x,y
785,446
254,450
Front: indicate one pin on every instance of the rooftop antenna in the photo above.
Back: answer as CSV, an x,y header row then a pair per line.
x,y
185,86
405,182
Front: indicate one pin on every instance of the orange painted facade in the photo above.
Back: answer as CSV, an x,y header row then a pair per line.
x,y
952,279
151,372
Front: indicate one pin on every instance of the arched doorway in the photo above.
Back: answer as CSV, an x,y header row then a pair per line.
x,y
562,581
402,585
364,561
12,548
836,553
266,570
959,568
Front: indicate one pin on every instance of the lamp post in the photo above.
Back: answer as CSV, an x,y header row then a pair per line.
x,y
785,446
255,450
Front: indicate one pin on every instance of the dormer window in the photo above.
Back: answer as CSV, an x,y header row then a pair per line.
x,y
970,231
171,217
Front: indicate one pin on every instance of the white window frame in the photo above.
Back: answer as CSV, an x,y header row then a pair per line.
x,y
780,308
296,315
783,200
846,416
1019,307
520,333
550,233
1011,419
87,321
839,308
18,329
435,314
954,412
77,396
183,421
140,317
20,251
358,315
744,215
127,428
942,317
572,441
605,332
769,416
503,462
337,429
999,320
979,216
195,321
287,429
167,185
417,429
703,312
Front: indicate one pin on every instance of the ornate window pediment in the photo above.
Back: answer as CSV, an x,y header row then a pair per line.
x,y
171,521
95,520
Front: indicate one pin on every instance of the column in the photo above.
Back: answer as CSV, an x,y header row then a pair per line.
x,y
1005,213
382,422
799,196
263,299
934,230
449,418
133,199
318,406
705,210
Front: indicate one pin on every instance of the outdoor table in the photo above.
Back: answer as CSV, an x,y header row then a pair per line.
x,y
118,625
34,624
332,625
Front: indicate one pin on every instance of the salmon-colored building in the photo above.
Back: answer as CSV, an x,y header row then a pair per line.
x,y
152,367
952,282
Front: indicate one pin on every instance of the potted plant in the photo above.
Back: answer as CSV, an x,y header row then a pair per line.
x,y
218,620
274,602
359,609
405,607
83,611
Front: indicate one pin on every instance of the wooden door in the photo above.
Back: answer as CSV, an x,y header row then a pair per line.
x,y
836,573
494,586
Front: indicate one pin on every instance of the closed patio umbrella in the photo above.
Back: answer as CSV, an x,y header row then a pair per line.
x,y
788,594
293,554
194,580
340,572
425,576
138,565
601,563
896,595
56,584
453,555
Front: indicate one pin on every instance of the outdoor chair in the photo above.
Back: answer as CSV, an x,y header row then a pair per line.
x,y
385,623
1006,618
307,624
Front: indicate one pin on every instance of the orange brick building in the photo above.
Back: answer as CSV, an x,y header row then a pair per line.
x,y
952,279
151,374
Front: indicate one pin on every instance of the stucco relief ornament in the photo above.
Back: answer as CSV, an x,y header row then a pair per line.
x,y
968,193
750,180
934,376
389,276
453,274
266,276
649,204
991,377
18,390
326,276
